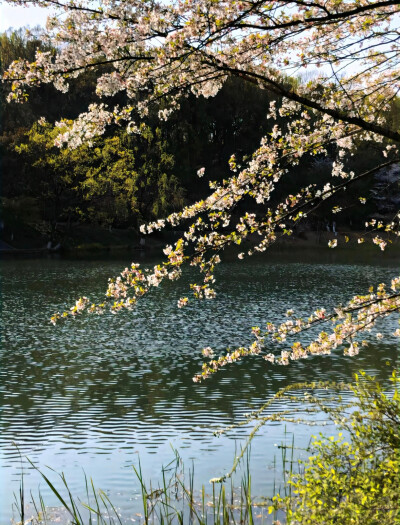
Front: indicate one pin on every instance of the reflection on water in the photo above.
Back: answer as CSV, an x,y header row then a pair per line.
x,y
96,392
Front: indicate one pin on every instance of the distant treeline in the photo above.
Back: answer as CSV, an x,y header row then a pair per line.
x,y
125,179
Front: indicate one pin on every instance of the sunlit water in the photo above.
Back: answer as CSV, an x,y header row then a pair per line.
x,y
97,393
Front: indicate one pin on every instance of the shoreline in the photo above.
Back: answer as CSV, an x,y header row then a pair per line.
x,y
119,241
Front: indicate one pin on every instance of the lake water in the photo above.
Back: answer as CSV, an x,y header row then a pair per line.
x,y
97,393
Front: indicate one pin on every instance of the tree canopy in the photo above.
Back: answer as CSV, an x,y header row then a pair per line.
x,y
151,56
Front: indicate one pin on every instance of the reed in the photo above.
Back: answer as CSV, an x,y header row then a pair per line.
x,y
175,501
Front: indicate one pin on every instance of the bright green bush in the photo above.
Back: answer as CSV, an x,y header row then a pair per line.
x,y
354,480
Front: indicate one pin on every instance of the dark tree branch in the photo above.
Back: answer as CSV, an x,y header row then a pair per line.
x,y
330,18
280,89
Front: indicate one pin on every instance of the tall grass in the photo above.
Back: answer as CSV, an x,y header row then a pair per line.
x,y
174,501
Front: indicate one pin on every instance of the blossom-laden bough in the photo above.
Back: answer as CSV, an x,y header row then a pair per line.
x,y
157,52
349,322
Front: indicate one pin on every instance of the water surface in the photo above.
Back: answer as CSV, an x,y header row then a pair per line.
x,y
96,393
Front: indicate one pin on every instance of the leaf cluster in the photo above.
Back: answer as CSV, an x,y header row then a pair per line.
x,y
353,478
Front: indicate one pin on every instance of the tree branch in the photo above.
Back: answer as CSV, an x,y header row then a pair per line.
x,y
279,89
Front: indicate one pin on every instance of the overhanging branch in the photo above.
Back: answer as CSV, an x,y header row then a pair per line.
x,y
280,89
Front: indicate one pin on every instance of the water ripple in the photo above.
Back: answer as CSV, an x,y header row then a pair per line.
x,y
96,392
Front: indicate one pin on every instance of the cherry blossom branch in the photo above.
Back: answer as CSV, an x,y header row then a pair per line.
x,y
280,89
369,309
326,20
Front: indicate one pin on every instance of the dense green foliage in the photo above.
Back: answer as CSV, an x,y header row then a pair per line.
x,y
120,179
126,179
353,480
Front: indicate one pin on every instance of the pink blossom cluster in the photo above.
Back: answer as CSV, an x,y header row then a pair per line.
x,y
359,315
